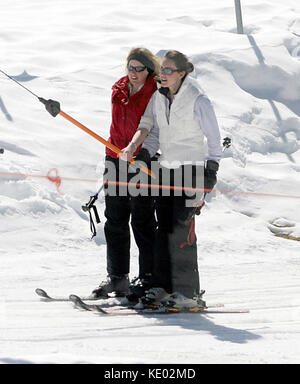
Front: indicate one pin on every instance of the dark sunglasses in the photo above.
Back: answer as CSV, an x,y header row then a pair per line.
x,y
136,69
168,71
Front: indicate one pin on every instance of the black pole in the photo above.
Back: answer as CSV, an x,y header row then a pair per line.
x,y
28,90
52,106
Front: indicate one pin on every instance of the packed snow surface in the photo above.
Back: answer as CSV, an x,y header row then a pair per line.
x,y
249,231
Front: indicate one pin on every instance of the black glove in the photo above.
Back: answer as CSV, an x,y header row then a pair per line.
x,y
144,155
210,175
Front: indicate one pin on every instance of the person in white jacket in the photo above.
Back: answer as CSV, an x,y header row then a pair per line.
x,y
177,118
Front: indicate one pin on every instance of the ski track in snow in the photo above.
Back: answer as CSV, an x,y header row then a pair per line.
x,y
253,81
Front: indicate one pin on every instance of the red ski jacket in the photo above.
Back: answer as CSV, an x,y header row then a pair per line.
x,y
127,111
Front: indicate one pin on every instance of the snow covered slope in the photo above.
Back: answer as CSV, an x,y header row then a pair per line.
x,y
73,51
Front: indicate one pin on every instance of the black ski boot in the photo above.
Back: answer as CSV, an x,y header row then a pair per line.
x,y
118,285
138,287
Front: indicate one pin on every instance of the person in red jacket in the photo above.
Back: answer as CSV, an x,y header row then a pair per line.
x,y
130,96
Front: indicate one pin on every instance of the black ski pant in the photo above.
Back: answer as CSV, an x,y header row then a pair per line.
x,y
119,209
176,260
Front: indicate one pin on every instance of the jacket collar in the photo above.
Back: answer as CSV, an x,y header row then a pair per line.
x,y
121,88
165,90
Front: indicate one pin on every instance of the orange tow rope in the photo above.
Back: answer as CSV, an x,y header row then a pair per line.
x,y
53,107
103,141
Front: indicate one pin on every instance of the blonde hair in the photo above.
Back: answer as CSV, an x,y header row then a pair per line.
x,y
146,57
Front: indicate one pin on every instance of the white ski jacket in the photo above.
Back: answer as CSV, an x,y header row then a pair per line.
x,y
178,130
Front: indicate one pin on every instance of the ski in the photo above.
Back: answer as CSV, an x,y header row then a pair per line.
x,y
124,308
88,307
79,303
110,301
44,295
